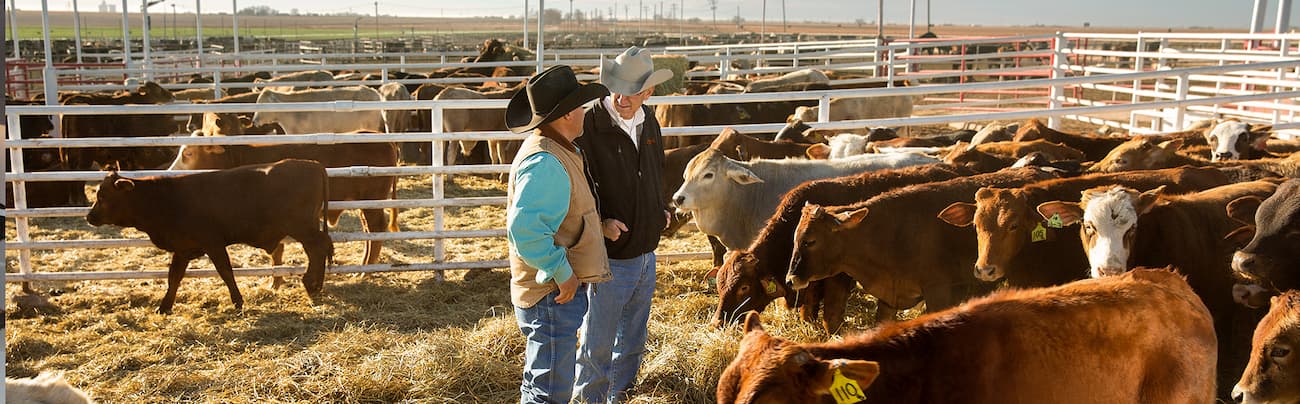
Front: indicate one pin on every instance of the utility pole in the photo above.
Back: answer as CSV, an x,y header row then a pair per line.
x,y
174,22
76,27
762,26
640,19
377,23
526,25
785,26
713,6
198,31
880,19
911,21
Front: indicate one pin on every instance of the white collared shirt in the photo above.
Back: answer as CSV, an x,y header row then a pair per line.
x,y
628,125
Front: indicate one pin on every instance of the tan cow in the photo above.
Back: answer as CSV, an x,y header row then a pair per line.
x,y
308,122
1140,338
1273,375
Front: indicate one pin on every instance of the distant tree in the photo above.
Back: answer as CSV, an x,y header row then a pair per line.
x,y
259,11
554,15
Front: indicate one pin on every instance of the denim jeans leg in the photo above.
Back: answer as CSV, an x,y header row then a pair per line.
x,y
551,333
601,328
629,347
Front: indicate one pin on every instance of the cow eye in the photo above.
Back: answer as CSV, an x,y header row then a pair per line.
x,y
809,243
1214,140
708,176
1280,352
1088,229
743,289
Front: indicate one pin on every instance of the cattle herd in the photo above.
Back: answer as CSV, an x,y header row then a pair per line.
x,y
1055,266
1133,268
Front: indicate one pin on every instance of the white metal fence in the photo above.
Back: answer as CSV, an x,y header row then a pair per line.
x,y
1264,86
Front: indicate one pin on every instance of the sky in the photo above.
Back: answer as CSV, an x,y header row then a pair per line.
x,y
1234,14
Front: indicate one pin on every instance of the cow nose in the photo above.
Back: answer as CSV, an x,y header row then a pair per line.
x,y
986,273
679,200
1243,262
1238,395
1109,271
1222,156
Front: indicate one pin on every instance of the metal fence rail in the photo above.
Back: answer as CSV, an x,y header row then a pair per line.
x,y
1260,92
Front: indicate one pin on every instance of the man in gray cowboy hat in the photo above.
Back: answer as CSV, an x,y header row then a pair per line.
x,y
551,217
625,157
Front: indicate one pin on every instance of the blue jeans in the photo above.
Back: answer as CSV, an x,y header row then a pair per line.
x,y
614,332
551,331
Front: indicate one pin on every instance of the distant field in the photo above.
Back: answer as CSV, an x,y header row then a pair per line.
x,y
109,25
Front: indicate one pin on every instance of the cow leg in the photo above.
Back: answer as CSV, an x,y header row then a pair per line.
x,y
319,249
719,251
175,272
375,221
835,296
222,261
277,259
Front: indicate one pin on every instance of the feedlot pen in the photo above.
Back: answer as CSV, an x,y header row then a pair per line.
x,y
1143,83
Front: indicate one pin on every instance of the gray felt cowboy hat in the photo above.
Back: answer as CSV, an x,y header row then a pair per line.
x,y
632,72
547,97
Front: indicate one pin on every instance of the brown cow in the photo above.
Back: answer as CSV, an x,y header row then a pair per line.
x,y
750,279
1094,147
992,156
330,155
1269,258
894,246
1147,153
1124,228
1005,222
194,215
748,148
1272,375
1140,338
80,126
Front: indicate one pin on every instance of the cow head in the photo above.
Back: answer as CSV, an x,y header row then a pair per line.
x,y
1273,373
1235,140
963,155
1110,216
201,157
152,93
222,124
1269,258
709,176
768,369
1004,224
112,201
742,289
817,239
1139,154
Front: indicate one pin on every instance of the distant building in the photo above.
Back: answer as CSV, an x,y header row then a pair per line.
x,y
104,7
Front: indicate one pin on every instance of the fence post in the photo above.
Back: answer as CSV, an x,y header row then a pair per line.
x,y
216,83
1137,84
1055,91
795,63
20,196
1181,95
824,109
889,66
724,66
438,156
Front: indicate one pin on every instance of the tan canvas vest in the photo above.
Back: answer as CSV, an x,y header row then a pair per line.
x,y
579,233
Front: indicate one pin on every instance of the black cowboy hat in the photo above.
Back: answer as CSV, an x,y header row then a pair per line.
x,y
547,97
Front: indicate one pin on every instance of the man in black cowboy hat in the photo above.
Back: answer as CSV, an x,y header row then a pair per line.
x,y
625,154
552,227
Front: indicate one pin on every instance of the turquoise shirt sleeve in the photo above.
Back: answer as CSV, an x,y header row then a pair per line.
x,y
541,200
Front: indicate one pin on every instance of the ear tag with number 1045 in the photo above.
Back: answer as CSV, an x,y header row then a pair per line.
x,y
1038,234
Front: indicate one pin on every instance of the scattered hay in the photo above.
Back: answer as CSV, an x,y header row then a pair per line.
x,y
392,337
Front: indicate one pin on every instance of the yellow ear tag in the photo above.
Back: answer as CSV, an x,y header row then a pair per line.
x,y
1038,234
846,390
1055,221
769,287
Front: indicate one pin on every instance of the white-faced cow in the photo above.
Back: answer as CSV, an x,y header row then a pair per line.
x,y
1273,374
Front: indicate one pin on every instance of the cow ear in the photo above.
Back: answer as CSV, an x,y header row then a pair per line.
x,y
1148,199
960,214
1240,237
1243,209
819,151
123,184
1070,212
742,176
862,372
215,149
753,322
852,218
1172,145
